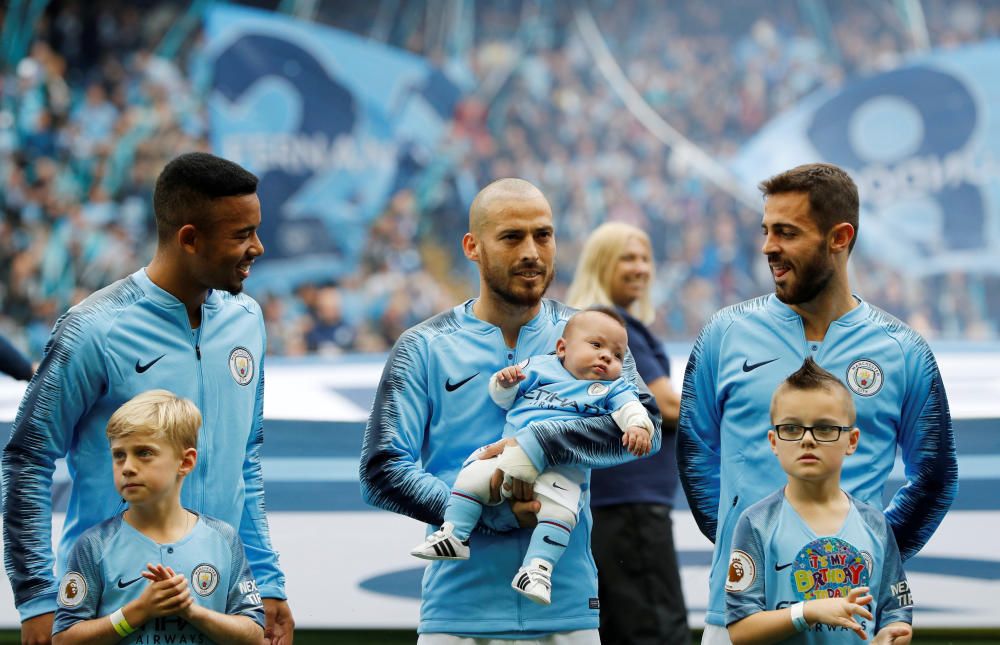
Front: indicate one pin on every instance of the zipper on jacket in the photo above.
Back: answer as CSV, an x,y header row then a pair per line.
x,y
203,455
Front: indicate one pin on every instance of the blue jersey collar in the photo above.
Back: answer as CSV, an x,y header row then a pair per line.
x,y
166,299
468,320
852,317
142,537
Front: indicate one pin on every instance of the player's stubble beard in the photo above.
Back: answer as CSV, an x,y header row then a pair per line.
x,y
499,279
231,285
812,278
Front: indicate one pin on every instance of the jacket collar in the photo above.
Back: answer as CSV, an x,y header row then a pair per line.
x,y
852,317
166,299
468,320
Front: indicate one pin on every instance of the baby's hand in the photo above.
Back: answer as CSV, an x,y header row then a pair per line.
x,y
508,377
636,439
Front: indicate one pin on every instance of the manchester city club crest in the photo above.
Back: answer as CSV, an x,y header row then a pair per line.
x,y
241,365
204,579
597,389
864,377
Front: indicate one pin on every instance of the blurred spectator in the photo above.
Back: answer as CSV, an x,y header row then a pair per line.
x,y
328,334
92,113
13,363
642,602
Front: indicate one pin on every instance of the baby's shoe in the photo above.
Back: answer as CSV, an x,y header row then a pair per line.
x,y
442,545
535,581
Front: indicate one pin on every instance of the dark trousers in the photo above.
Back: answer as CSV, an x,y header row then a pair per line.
x,y
638,577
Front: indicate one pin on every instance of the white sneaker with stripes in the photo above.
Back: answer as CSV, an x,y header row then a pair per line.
x,y
442,545
535,581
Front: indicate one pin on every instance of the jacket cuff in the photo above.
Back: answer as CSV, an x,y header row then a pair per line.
x,y
40,604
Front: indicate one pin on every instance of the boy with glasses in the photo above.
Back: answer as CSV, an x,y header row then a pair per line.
x,y
810,563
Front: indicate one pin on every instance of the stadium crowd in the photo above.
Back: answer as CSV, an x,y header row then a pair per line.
x,y
98,105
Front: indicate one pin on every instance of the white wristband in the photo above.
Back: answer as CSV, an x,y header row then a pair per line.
x,y
122,628
799,617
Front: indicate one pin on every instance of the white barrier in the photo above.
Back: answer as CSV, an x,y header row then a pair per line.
x,y
351,568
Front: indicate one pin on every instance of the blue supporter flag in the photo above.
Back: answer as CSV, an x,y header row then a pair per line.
x,y
922,141
332,124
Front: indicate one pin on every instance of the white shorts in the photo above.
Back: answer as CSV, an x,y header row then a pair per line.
x,y
562,484
579,637
715,635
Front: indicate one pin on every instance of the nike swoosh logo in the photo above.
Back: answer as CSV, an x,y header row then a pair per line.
x,y
139,368
122,585
556,485
749,368
451,387
779,567
549,540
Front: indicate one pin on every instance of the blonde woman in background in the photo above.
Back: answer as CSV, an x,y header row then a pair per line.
x,y
632,539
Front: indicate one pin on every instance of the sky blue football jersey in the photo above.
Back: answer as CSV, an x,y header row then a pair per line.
x,y
741,356
125,339
431,411
777,560
550,392
104,572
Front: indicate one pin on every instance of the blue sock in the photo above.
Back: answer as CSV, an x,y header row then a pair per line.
x,y
548,542
464,511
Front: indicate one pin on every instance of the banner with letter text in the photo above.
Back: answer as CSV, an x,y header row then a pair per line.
x,y
331,123
923,143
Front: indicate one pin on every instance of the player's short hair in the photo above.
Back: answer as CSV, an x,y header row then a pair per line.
x,y
160,414
188,184
813,377
833,195
610,312
597,264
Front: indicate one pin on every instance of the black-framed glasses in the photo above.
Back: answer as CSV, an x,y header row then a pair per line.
x,y
795,432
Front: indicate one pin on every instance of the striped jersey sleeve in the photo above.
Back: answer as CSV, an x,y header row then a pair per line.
x,y
82,586
698,441
927,444
622,391
70,379
391,477
743,599
894,603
